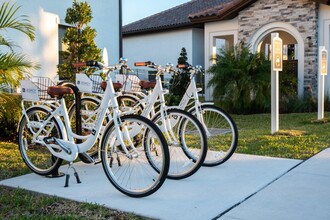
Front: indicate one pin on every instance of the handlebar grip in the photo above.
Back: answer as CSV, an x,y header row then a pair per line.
x,y
140,64
79,64
148,63
87,63
182,66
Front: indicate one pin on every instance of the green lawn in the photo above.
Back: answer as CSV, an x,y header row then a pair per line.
x,y
300,137
22,204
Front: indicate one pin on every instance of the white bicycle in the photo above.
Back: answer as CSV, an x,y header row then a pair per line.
x,y
185,135
220,128
129,143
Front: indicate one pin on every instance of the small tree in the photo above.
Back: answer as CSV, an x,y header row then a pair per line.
x,y
79,39
179,82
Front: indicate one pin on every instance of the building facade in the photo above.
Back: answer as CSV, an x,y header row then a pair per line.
x,y
302,24
47,16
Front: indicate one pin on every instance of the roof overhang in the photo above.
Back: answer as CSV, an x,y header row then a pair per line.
x,y
224,11
227,11
162,29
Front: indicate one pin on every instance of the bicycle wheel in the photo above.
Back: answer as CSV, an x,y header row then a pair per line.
x,y
88,116
222,135
133,175
36,156
186,140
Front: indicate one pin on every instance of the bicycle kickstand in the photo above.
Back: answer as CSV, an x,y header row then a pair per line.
x,y
67,175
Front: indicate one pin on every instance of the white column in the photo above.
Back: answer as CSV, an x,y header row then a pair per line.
x,y
275,102
320,107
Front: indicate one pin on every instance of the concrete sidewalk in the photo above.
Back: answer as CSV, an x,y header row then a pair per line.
x,y
245,187
302,193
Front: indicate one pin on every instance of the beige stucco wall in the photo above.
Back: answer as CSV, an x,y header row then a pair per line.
x,y
211,30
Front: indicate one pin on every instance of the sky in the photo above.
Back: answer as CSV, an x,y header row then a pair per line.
x,y
134,10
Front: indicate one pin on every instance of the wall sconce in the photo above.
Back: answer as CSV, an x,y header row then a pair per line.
x,y
214,55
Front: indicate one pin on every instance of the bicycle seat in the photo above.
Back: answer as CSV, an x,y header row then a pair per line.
x,y
145,84
58,91
116,86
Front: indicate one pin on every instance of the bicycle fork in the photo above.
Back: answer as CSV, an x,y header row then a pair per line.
x,y
167,128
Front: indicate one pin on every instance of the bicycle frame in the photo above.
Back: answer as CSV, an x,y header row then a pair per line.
x,y
157,94
69,149
190,93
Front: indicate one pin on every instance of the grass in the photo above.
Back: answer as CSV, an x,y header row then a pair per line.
x,y
300,137
23,204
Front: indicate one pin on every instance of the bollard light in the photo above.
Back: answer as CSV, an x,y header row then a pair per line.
x,y
324,62
277,57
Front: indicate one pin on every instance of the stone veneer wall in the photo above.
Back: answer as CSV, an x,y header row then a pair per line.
x,y
302,14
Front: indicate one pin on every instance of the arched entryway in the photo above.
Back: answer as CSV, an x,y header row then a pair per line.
x,y
293,46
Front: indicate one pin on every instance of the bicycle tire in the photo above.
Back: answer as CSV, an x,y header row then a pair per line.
x,y
193,148
37,157
135,177
222,146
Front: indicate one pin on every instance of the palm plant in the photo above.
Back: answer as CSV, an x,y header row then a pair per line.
x,y
14,66
241,80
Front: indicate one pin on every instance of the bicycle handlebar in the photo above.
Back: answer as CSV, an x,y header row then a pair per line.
x,y
182,66
79,64
97,64
91,63
148,63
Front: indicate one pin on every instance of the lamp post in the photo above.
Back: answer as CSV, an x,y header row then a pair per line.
x,y
323,71
277,65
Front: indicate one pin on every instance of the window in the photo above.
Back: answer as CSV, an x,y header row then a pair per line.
x,y
62,47
221,42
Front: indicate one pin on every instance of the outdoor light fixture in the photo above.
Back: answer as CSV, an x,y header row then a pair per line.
x,y
324,61
214,55
323,71
277,50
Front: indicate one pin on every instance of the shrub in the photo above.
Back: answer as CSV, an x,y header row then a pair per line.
x,y
241,80
10,114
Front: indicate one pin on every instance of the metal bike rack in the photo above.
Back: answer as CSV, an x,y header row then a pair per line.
x,y
77,95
